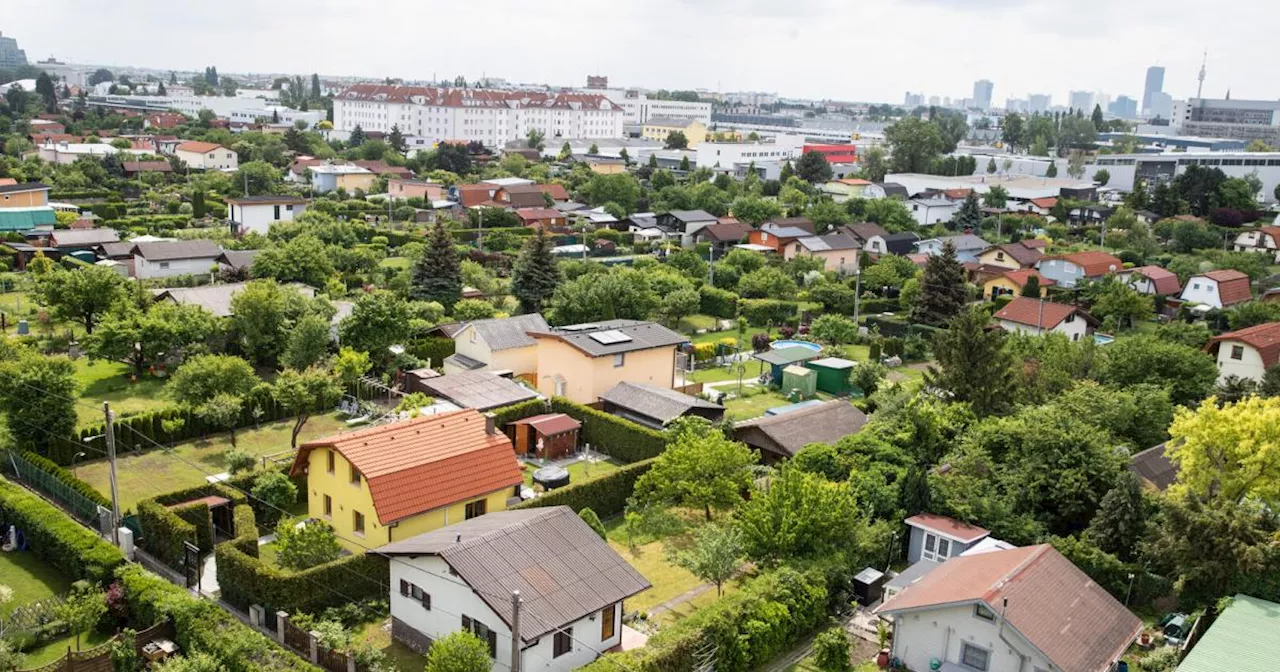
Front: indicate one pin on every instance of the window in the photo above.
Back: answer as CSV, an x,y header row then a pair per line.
x,y
476,509
483,632
276,213
164,264
973,657
355,475
1071,317
417,593
1195,285
1237,352
606,622
357,522
563,643
981,611
619,359
328,506
935,547
330,456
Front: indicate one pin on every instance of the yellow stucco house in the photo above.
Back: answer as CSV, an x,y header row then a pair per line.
x,y
658,128
1013,256
583,361
1011,283
497,345
391,482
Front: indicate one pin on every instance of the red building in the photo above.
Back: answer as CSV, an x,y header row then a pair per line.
x,y
835,153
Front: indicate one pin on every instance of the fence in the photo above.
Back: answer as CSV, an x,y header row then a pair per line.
x,y
278,626
98,659
81,506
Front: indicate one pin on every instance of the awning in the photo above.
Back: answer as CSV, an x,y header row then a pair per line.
x,y
25,219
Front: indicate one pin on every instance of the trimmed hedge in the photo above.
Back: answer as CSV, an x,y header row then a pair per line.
x,y
765,312
65,477
889,326
433,350
606,495
868,306
617,437
164,530
508,414
56,538
718,302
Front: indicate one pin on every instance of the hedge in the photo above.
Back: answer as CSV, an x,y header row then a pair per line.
x,y
764,312
65,477
201,625
165,529
73,194
56,538
508,414
868,306
617,437
889,326
718,302
606,495
432,350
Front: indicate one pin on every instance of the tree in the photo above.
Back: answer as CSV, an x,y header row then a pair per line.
x,y
44,87
238,461
534,139
144,338
942,290
1229,452
972,363
800,515
259,177
592,520
379,320
813,167
1011,130
1052,170
831,650
260,318
1238,194
620,188
301,393
969,216
676,140
303,259
621,294
914,144
38,397
768,282
1098,123
357,137
755,210
1198,186
459,651
1121,301
700,468
1187,372
535,274
307,343
198,210
834,329
1075,164
83,294
1032,286
396,138
437,274
222,411
1121,521
203,377
315,86
100,75
679,304
300,547
873,164
714,556
350,365
996,197
991,166
1102,177
276,491
81,611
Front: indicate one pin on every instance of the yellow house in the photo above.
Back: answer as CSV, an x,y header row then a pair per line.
x,y
28,195
605,165
501,344
391,482
1011,283
1012,256
658,128
581,362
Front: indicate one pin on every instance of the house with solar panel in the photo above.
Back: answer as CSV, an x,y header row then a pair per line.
x,y
571,585
582,362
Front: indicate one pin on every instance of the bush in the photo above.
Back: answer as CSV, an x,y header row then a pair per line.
x,y
765,312
65,477
617,437
593,521
604,495
165,529
506,415
831,650
889,326
872,306
717,302
57,539
247,580
433,350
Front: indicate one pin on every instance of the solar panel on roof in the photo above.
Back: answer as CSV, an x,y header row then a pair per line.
x,y
579,327
610,337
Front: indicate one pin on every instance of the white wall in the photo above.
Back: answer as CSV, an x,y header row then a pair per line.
x,y
166,269
938,633
258,218
492,126
1139,282
219,159
1254,241
728,154
1250,364
1061,271
1077,329
1123,167
1204,290
927,215
451,598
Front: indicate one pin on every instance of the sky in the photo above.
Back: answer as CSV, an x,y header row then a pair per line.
x,y
852,50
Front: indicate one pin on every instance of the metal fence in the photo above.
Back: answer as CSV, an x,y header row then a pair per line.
x,y
78,504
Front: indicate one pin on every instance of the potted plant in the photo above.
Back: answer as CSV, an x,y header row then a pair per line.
x,y
882,635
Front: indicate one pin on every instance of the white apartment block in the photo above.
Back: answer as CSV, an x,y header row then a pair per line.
x,y
726,155
491,117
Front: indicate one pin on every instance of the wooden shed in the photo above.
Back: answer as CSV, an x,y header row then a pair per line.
x,y
548,436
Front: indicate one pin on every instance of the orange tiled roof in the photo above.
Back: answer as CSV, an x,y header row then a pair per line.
x,y
199,147
1265,338
1164,281
948,526
1035,313
556,191
472,195
1021,276
418,465
1095,264
1233,286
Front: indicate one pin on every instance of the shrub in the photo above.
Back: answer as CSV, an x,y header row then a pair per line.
x,y
593,521
831,650
238,461
604,495
247,580
433,350
614,436
717,302
65,477
165,529
306,546
508,414
765,312
275,491
57,539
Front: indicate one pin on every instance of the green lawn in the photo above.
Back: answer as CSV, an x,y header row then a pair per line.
x,y
143,475
109,381
716,374
55,650
579,471
398,655
30,578
396,262
754,406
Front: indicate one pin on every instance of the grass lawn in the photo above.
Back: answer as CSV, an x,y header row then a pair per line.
x,y
42,655
693,323
754,406
715,336
716,374
395,262
398,655
30,578
143,475
579,471
109,381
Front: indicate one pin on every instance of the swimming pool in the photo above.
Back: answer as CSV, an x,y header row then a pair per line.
x,y
1103,339
778,345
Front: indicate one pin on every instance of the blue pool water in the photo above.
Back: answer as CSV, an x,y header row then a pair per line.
x,y
778,345
1103,339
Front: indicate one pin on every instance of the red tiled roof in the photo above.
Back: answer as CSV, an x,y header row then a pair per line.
x,y
1164,280
1095,264
1057,607
1020,277
956,194
441,97
1035,313
948,527
199,147
557,192
1035,243
1046,203
1265,338
381,168
550,424
418,465
1272,232
538,213
472,195
853,181
1233,286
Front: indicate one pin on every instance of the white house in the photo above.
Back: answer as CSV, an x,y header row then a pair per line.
x,y
726,155
870,235
257,213
1264,239
1067,270
929,211
1013,610
206,156
1248,352
1217,289
1025,315
572,586
1152,280
967,246
166,259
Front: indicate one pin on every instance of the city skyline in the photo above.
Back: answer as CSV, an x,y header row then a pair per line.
x,y
710,37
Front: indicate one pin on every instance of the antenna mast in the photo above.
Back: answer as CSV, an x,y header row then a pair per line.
x,y
1200,86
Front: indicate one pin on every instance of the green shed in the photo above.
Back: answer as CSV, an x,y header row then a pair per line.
x,y
782,358
799,381
833,374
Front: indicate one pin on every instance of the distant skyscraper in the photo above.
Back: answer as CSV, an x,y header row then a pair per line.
x,y
1039,102
913,100
935,100
10,55
597,81
1124,107
1155,84
982,90
1161,105
1081,100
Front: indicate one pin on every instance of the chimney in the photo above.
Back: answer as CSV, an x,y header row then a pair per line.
x,y
489,422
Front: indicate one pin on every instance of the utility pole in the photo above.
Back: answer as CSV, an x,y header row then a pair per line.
x,y
857,292
111,461
515,631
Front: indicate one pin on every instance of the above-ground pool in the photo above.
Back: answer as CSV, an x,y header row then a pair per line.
x,y
778,345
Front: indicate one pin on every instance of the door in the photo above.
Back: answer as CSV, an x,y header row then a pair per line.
x,y
935,548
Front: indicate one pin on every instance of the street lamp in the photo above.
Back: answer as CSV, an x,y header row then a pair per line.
x,y
73,463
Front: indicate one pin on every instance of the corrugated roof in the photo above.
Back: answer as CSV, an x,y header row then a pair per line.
x,y
829,243
550,424
788,433
481,390
562,568
1245,638
506,333
67,237
174,250
418,465
692,215
640,336
659,403
1154,466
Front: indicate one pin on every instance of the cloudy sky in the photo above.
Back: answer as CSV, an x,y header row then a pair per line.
x,y
865,50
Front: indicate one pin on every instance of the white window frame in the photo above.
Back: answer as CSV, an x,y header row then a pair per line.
x,y
936,554
964,646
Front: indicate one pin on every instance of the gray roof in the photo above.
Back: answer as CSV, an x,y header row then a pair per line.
x,y
893,189
786,434
783,356
214,298
639,336
66,237
570,206
25,186
505,333
669,122
687,216
865,230
1154,467
912,574
464,362
563,570
787,231
117,249
481,390
173,250
830,242
966,241
659,403
238,259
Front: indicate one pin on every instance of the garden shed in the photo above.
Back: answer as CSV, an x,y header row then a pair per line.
x,y
781,358
833,374
547,436
799,382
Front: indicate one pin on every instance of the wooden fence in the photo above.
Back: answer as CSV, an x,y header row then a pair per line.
x,y
305,645
98,659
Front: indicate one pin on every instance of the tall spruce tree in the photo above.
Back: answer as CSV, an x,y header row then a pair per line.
x,y
942,290
437,275
535,275
972,363
1122,518
969,216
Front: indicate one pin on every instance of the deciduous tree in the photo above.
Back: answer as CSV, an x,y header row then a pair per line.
x,y
84,294
300,547
302,393
714,556
459,651
799,515
1229,452
700,468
